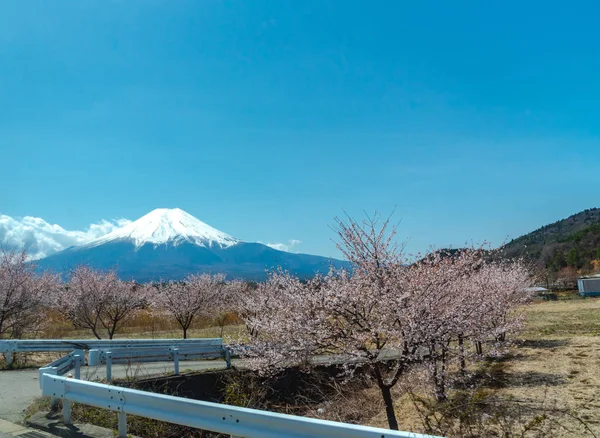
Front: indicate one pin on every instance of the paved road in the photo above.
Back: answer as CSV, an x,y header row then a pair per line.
x,y
19,388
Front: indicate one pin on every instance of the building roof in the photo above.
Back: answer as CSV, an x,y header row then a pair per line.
x,y
535,289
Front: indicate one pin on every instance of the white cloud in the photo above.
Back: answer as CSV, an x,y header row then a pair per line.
x,y
40,239
287,247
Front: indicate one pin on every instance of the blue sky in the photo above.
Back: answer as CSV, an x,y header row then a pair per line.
x,y
265,119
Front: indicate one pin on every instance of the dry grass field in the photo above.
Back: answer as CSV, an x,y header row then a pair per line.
x,y
554,368
558,360
144,325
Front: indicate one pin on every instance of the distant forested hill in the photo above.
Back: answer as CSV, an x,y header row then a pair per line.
x,y
569,243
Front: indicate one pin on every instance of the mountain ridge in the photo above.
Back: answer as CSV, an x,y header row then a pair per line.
x,y
571,242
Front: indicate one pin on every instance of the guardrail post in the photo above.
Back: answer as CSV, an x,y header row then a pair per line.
x,y
66,411
77,358
122,424
108,366
227,357
53,400
94,357
176,360
9,358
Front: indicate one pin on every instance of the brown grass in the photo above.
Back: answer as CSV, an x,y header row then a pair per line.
x,y
553,367
558,358
144,324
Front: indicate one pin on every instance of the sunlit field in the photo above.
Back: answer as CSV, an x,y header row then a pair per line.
x,y
552,366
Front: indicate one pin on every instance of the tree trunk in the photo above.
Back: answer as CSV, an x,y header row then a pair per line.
x,y
95,333
386,393
112,330
478,347
461,353
186,323
440,384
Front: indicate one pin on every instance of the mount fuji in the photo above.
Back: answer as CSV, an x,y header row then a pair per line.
x,y
168,244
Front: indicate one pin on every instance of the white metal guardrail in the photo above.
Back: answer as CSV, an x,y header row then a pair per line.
x,y
112,356
232,420
8,347
63,365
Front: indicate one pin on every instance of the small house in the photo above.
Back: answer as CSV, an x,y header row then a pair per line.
x,y
589,286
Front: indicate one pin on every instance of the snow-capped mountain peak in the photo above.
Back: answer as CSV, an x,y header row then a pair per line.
x,y
168,225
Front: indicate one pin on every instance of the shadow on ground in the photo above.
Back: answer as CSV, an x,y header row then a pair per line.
x,y
543,343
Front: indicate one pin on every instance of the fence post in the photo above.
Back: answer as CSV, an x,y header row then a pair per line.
x,y
9,358
108,366
176,360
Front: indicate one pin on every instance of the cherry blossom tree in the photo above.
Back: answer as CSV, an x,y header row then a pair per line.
x,y
499,287
194,296
23,294
386,315
349,315
228,303
465,296
121,304
249,301
98,300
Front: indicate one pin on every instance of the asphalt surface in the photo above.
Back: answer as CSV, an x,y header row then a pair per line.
x,y
19,388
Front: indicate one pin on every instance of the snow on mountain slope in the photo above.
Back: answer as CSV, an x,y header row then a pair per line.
x,y
168,244
167,225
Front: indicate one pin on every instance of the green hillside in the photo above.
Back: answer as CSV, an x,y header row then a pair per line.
x,y
573,242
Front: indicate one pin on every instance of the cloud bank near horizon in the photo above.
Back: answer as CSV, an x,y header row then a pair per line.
x,y
41,239
290,246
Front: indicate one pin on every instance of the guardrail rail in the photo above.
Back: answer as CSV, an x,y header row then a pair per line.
x,y
10,346
232,420
62,366
112,356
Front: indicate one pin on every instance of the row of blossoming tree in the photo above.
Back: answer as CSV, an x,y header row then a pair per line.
x,y
99,301
386,315
389,314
